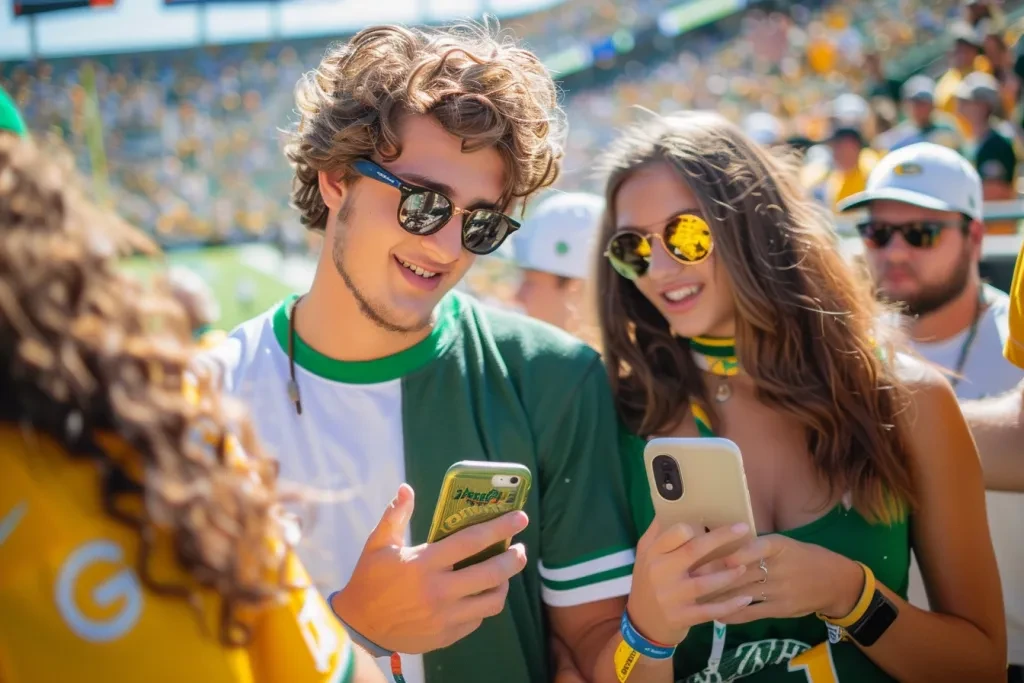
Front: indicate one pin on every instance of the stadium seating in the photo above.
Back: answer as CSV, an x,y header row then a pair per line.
x,y
191,139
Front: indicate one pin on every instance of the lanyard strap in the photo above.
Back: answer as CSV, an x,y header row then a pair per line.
x,y
972,334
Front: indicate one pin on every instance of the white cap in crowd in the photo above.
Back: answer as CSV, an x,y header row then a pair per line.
x,y
923,174
559,234
919,87
763,128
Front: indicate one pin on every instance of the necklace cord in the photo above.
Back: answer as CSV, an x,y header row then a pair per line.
x,y
293,382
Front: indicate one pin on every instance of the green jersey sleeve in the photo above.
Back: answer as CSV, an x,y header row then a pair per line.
x,y
587,535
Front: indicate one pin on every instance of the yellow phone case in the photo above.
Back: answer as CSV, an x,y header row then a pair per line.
x,y
478,491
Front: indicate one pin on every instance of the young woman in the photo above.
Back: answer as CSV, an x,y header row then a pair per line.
x,y
138,540
726,311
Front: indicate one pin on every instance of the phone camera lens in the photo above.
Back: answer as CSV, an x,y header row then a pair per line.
x,y
668,478
514,480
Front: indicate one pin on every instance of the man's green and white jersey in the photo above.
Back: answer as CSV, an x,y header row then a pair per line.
x,y
484,385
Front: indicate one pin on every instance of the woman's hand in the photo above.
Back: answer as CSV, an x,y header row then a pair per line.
x,y
788,578
663,601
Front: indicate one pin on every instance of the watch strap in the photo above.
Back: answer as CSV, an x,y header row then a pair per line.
x,y
358,638
876,621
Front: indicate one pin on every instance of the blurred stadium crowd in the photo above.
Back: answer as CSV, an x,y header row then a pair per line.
x,y
187,143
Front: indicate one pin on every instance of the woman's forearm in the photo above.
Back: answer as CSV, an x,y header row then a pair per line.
x,y
928,646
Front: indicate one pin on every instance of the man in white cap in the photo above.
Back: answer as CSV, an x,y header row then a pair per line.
x,y
923,122
922,240
552,251
990,148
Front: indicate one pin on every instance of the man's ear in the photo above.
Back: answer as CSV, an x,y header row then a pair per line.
x,y
332,189
976,232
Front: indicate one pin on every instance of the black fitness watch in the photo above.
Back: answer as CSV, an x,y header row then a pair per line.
x,y
878,617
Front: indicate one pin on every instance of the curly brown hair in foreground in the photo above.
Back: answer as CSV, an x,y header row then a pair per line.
x,y
485,90
92,359
806,327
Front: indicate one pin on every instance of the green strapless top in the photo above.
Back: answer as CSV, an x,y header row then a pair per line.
x,y
786,650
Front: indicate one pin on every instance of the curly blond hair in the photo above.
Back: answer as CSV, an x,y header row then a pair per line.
x,y
99,363
483,89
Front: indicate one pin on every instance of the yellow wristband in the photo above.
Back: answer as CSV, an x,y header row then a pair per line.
x,y
625,659
862,604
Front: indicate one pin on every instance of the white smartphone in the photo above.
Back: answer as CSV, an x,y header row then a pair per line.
x,y
699,482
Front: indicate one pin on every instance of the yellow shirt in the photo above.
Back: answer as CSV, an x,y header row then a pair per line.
x,y
839,184
1014,350
73,608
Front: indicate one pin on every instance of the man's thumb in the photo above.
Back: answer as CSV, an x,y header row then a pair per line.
x,y
393,523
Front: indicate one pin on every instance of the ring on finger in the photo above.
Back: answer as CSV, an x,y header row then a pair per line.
x,y
764,568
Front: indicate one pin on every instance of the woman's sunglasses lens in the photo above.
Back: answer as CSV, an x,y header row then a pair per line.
x,y
629,255
688,238
423,213
484,231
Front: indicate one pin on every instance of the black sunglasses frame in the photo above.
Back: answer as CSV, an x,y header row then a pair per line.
x,y
375,171
867,232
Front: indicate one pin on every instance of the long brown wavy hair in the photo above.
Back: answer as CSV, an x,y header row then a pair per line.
x,y
808,332
481,88
98,362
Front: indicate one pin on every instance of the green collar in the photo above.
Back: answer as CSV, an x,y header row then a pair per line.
x,y
378,370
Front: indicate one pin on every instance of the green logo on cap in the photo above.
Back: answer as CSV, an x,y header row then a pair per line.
x,y
562,248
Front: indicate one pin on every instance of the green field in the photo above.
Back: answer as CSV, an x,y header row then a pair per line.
x,y
246,280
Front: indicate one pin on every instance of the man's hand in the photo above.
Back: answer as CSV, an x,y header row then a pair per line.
x,y
409,599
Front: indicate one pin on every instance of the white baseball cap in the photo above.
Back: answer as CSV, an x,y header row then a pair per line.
x,y
558,235
923,174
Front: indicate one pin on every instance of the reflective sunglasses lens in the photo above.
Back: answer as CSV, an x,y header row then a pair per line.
x,y
688,238
629,254
877,235
423,213
922,235
483,231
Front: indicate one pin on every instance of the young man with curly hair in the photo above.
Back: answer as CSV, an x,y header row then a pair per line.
x,y
413,151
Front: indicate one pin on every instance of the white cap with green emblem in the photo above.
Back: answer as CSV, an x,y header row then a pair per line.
x,y
558,236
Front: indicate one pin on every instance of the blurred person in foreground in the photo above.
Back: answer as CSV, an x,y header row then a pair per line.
x,y
552,253
923,242
725,312
142,535
923,123
413,148
196,296
990,146
11,122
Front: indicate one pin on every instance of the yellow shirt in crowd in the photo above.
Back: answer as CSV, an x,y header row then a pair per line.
x,y
73,607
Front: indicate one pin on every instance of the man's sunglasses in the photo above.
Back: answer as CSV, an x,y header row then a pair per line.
x,y
918,234
423,212
686,238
